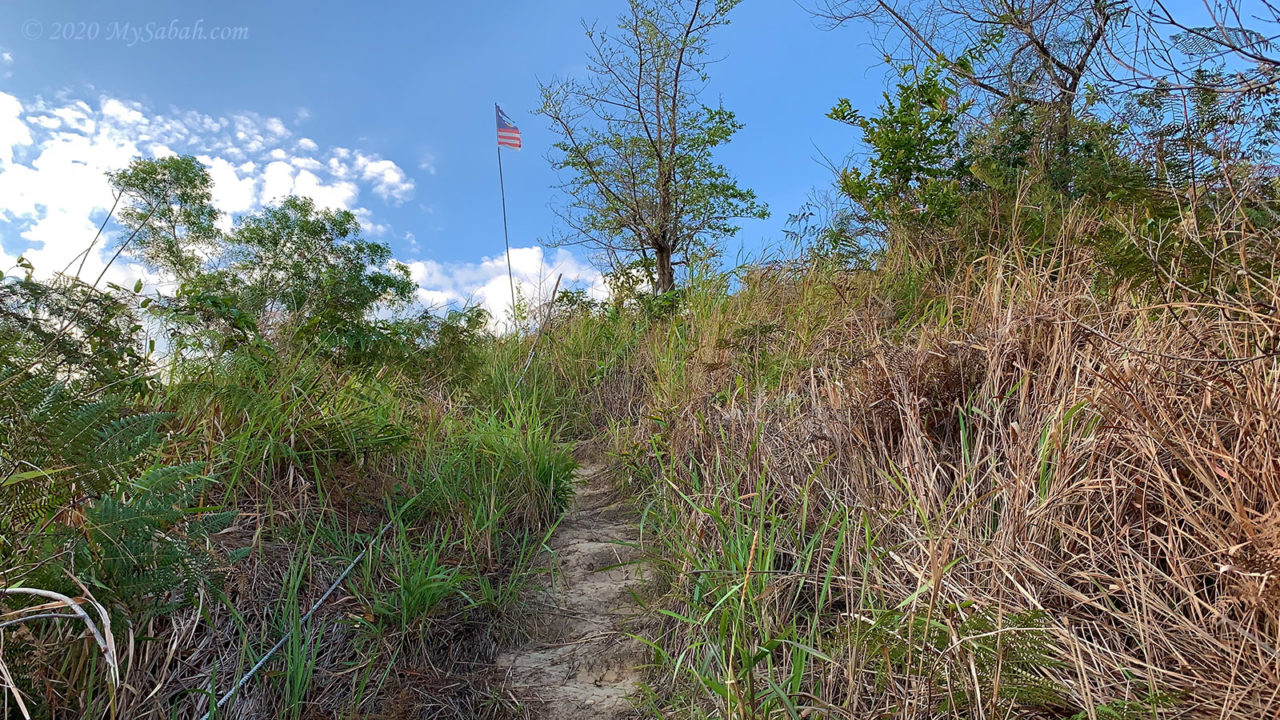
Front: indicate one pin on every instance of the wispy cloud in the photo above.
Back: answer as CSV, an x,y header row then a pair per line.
x,y
55,156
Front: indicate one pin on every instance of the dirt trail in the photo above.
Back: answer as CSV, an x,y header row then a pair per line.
x,y
583,664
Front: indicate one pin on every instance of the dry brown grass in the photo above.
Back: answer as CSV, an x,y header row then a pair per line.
x,y
1104,468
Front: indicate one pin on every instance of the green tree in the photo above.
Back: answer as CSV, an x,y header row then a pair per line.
x,y
168,204
912,173
75,332
292,267
295,261
637,146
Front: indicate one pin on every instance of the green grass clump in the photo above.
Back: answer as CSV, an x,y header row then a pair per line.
x,y
222,498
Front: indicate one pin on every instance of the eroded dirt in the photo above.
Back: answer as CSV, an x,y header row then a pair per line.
x,y
583,664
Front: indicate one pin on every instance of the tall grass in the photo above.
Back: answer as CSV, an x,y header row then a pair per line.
x,y
279,466
1013,490
1006,493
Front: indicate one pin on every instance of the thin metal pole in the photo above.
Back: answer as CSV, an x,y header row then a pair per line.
x,y
543,326
303,620
506,236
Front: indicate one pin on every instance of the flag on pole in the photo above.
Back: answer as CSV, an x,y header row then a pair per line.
x,y
508,133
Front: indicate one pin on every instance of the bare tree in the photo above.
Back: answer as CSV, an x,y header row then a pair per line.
x,y
636,145
1041,52
1235,37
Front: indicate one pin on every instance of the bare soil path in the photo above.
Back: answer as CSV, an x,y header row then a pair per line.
x,y
583,664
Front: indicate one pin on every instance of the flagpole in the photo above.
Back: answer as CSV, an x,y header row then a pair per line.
x,y
506,236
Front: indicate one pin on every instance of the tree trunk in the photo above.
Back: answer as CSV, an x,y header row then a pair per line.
x,y
666,271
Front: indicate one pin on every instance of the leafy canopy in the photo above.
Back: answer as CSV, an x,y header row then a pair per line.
x,y
915,156
291,266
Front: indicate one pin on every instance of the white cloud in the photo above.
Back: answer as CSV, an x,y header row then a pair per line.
x,y
370,223
232,194
55,155
485,282
47,122
54,191
76,116
428,163
13,131
306,163
389,181
334,196
277,181
277,128
123,113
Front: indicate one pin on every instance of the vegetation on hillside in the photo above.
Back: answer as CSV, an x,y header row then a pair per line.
x,y
997,438
195,467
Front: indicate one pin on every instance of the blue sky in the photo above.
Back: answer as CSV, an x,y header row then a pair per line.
x,y
385,108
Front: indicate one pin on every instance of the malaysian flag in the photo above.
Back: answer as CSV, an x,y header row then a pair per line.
x,y
508,133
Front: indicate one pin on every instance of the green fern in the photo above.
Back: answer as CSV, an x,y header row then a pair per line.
x,y
139,547
59,448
